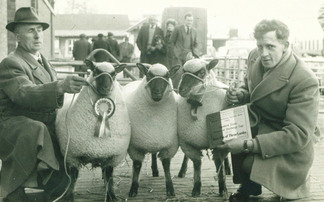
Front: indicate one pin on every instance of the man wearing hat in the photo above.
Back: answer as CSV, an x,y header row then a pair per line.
x,y
29,98
114,47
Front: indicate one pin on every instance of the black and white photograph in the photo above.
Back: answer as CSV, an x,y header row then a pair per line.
x,y
161,100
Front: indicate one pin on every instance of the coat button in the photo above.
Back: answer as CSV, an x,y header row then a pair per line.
x,y
266,156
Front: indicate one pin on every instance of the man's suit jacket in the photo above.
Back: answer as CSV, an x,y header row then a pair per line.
x,y
177,41
142,39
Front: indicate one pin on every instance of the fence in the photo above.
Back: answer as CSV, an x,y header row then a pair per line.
x,y
229,69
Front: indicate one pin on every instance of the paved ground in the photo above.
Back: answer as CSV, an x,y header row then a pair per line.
x,y
90,186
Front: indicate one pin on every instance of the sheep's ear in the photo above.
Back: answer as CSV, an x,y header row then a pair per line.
x,y
212,64
143,68
120,68
90,64
174,70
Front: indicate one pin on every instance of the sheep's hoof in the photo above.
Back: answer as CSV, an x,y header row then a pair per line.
x,y
111,197
182,174
196,189
155,174
133,190
170,189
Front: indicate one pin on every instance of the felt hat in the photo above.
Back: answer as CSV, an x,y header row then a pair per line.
x,y
25,15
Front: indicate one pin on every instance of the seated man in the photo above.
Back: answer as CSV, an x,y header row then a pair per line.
x,y
29,98
283,97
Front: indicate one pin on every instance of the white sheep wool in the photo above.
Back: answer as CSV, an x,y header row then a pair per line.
x,y
78,122
153,124
193,133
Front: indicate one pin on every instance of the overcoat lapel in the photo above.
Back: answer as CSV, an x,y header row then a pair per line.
x,y
36,68
48,68
278,78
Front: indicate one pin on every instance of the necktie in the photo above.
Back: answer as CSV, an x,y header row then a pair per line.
x,y
188,30
39,60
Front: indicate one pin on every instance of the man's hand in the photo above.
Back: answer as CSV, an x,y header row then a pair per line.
x,y
234,146
71,84
234,96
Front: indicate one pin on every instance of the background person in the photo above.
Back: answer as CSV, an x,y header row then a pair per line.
x,y
114,47
184,40
29,97
101,43
145,38
283,99
126,53
81,49
170,57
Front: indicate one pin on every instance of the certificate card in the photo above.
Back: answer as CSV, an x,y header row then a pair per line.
x,y
228,124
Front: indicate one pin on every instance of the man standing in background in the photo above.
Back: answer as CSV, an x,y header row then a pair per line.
x,y
184,40
81,49
126,53
114,47
145,38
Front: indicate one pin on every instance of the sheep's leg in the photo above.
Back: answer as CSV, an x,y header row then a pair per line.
x,y
220,165
168,180
197,178
155,170
108,173
137,165
227,166
183,170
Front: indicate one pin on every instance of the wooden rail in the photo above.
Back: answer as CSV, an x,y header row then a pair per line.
x,y
229,69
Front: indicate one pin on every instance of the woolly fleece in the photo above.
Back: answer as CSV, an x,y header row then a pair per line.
x,y
153,124
80,124
193,133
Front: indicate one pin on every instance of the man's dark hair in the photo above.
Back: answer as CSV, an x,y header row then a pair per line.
x,y
282,31
100,35
188,15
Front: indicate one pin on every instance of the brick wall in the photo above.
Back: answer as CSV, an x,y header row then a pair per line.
x,y
3,33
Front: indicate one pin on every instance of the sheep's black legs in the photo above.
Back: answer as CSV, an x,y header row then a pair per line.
x,y
197,178
155,170
168,180
108,173
183,170
137,165
220,163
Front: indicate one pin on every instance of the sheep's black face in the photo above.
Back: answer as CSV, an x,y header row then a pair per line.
x,y
157,85
191,82
104,81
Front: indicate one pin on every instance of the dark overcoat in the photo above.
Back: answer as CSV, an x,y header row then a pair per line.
x,y
81,49
284,105
28,103
142,41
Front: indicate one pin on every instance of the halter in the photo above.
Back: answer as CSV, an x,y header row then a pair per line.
x,y
104,107
158,77
199,93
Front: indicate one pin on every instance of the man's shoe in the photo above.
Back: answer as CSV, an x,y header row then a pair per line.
x,y
17,195
238,197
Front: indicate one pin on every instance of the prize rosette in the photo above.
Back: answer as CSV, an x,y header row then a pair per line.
x,y
105,106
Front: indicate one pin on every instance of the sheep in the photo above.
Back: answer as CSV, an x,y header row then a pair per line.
x,y
95,127
152,108
201,94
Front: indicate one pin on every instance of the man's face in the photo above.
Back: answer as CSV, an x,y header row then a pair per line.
x,y
30,37
153,21
271,49
189,21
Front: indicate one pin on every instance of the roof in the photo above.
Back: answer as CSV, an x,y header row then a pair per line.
x,y
70,23
137,25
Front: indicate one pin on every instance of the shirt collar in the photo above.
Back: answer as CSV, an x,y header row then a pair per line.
x,y
36,56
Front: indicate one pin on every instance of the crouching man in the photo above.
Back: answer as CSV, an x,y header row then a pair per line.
x,y
283,99
29,98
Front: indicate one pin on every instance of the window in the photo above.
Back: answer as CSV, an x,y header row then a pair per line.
x,y
34,4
